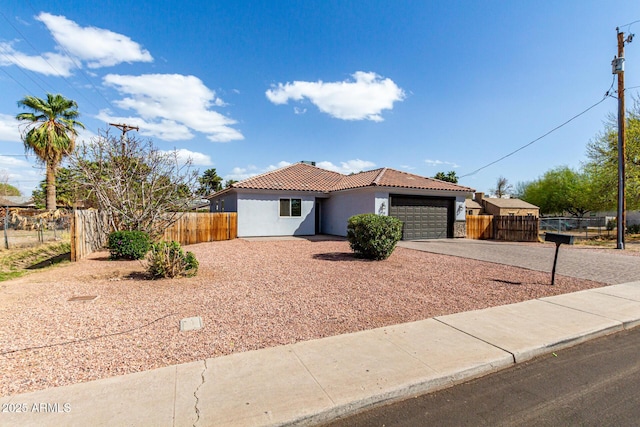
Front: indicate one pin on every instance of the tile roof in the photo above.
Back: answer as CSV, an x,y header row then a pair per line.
x,y
509,203
304,177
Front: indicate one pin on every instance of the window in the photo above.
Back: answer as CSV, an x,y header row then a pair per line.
x,y
290,207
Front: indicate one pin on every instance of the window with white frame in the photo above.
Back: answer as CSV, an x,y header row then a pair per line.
x,y
290,207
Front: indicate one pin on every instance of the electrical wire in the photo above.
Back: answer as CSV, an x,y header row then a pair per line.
x,y
95,337
606,95
78,66
58,73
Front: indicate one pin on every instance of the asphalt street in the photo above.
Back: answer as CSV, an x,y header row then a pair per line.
x,y
593,384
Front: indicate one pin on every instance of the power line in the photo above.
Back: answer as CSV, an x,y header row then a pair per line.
x,y
58,73
606,95
68,54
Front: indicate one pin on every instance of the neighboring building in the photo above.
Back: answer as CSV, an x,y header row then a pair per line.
x,y
302,199
473,207
16,202
506,207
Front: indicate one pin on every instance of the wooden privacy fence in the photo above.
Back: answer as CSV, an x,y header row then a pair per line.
x,y
199,227
509,228
90,230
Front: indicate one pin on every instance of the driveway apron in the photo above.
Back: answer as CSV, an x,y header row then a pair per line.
x,y
574,262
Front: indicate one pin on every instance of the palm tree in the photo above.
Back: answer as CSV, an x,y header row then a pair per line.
x,y
50,133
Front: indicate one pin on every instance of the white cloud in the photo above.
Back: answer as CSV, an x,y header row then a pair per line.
x,y
96,46
75,46
363,98
408,167
430,162
170,105
49,64
239,173
197,159
350,166
9,130
280,164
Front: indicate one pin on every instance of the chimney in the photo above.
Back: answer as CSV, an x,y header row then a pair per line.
x,y
478,197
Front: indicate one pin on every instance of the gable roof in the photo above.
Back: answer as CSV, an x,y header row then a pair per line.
x,y
305,177
509,203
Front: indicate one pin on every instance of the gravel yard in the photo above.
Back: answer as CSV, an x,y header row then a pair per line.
x,y
250,295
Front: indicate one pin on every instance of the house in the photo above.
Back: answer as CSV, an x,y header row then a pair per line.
x,y
302,199
472,207
504,207
16,202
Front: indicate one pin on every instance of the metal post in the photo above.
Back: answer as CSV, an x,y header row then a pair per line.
x,y
555,261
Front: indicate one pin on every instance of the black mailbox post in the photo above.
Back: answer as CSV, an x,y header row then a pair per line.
x,y
558,239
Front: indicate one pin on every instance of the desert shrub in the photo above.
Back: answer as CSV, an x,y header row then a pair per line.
x,y
168,260
633,229
373,236
128,244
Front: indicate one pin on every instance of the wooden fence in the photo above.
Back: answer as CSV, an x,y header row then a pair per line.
x,y
509,228
90,230
199,227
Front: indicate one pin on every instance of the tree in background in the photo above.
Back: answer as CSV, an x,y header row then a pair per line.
x,y
140,187
8,190
209,182
562,190
69,191
228,183
602,165
50,134
503,188
449,176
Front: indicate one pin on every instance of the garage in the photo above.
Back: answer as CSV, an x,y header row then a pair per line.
x,y
423,217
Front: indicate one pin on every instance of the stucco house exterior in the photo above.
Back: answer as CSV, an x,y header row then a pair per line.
x,y
302,199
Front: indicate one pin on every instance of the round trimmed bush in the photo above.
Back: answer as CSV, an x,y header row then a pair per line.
x,y
373,236
128,244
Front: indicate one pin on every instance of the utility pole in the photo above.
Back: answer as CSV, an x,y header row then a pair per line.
x,y
618,68
124,128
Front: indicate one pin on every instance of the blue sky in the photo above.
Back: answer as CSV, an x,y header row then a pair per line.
x,y
245,87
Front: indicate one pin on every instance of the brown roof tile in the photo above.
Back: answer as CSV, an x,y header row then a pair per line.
x,y
299,177
304,177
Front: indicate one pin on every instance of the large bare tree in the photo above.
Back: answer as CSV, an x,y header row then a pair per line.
x,y
137,185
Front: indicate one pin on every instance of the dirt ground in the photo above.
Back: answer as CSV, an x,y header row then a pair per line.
x,y
250,295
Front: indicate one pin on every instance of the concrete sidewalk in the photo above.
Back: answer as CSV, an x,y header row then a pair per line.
x,y
315,381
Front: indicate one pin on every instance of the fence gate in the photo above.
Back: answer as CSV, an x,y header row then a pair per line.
x,y
509,228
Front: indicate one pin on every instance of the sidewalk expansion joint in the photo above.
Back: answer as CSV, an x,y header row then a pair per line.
x,y
195,393
513,356
312,376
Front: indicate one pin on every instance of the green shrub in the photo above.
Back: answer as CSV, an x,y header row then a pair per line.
x,y
128,244
373,236
167,259
611,224
633,229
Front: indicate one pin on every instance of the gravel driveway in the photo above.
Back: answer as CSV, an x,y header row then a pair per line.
x,y
250,295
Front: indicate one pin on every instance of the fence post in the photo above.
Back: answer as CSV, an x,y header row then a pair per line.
x,y
6,225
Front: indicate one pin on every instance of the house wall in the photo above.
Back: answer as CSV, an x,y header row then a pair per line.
x,y
342,205
259,215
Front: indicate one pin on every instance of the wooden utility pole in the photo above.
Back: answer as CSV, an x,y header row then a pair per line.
x,y
124,128
622,205
618,68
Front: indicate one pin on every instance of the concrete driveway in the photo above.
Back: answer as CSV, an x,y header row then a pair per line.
x,y
574,262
